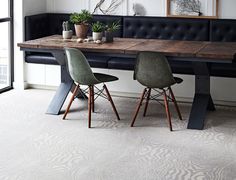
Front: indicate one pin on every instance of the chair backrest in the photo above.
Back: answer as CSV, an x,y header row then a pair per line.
x,y
79,68
152,70
166,28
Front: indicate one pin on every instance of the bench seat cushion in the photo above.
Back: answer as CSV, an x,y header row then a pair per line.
x,y
225,70
121,63
129,64
181,67
41,58
48,58
97,61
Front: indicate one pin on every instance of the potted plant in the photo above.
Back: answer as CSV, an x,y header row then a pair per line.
x,y
66,33
97,29
81,22
110,29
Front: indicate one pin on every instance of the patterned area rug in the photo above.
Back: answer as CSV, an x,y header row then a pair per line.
x,y
37,146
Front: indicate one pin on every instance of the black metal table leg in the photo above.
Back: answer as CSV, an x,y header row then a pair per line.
x,y
65,87
202,99
61,93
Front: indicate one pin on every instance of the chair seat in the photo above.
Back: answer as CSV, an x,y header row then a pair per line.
x,y
178,80
105,77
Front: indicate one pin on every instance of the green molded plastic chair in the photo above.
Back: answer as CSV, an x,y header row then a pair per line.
x,y
82,74
153,71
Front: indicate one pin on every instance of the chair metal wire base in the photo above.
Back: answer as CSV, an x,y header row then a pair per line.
x,y
168,95
91,100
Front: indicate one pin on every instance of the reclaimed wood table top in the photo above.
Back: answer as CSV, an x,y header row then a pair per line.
x,y
169,47
199,49
219,50
57,42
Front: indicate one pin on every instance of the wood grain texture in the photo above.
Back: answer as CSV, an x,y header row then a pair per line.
x,y
57,42
169,47
219,50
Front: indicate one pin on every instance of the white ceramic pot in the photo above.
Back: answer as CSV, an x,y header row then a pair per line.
x,y
67,34
97,36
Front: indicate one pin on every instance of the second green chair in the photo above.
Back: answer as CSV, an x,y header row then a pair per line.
x,y
153,71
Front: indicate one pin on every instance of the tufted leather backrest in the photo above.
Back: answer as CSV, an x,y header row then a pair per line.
x,y
55,21
166,28
36,26
223,30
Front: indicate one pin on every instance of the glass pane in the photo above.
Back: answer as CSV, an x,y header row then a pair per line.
x,y
4,9
4,55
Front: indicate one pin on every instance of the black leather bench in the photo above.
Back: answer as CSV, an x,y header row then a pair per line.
x,y
41,25
223,30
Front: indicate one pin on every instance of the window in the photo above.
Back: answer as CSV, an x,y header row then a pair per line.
x,y
6,45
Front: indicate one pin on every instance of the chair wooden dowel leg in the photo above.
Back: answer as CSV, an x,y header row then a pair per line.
x,y
89,106
147,101
167,110
111,101
175,103
138,107
71,100
92,98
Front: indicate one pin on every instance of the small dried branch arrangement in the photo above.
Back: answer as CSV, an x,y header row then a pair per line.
x,y
110,9
188,6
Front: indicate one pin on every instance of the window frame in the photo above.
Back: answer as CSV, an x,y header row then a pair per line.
x,y
11,47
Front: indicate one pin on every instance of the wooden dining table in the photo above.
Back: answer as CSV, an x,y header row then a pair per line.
x,y
199,53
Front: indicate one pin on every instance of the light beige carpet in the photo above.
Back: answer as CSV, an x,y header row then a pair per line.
x,y
36,146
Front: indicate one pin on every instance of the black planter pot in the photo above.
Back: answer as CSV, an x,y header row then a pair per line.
x,y
108,36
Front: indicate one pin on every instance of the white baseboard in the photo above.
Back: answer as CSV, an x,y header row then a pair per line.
x,y
20,86
46,87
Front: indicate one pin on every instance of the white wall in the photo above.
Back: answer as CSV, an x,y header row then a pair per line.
x,y
35,7
21,9
67,6
153,7
18,37
227,9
